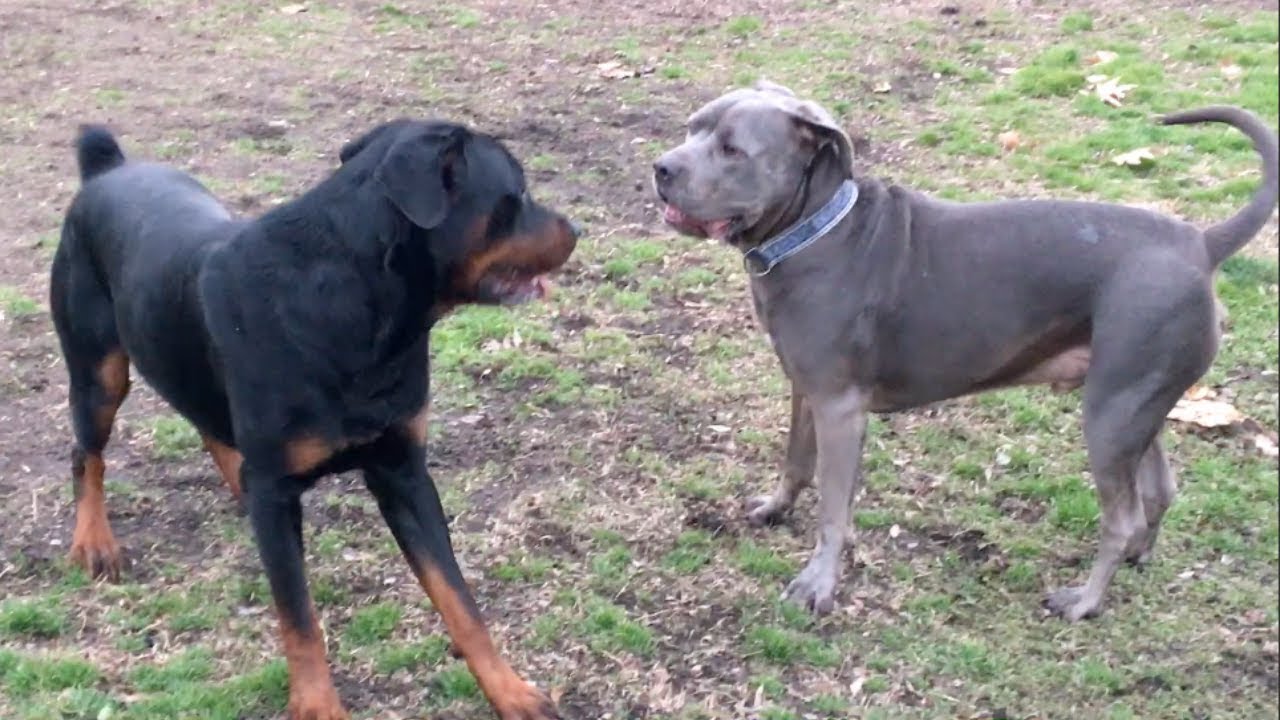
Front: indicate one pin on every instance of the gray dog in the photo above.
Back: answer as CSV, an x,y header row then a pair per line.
x,y
877,298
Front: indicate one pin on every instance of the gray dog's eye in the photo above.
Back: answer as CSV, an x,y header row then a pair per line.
x,y
729,150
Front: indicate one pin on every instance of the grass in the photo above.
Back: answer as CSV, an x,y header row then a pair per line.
x,y
36,620
16,305
593,451
373,624
173,438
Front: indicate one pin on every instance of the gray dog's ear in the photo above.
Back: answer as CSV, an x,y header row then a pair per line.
x,y
708,115
772,87
815,119
420,171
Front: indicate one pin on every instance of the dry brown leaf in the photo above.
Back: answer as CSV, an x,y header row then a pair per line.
x,y
882,87
1206,413
1101,57
615,70
294,9
1200,392
1266,445
855,687
1010,140
1231,71
1135,158
1110,90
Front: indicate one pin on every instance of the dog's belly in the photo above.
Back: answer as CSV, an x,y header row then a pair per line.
x,y
192,389
167,345
1063,372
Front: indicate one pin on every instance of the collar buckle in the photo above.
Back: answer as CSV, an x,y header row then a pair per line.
x,y
763,258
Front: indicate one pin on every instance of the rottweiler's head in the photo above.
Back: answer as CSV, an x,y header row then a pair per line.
x,y
487,239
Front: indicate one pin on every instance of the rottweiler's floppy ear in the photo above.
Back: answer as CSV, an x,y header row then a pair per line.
x,y
419,172
812,117
353,148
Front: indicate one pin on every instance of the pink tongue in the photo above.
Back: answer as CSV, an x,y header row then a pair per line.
x,y
541,286
718,229
673,215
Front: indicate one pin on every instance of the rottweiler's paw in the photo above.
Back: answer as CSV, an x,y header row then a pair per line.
x,y
1073,604
765,510
318,703
98,554
814,589
524,702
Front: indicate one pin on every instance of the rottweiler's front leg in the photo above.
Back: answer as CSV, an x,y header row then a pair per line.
x,y
275,511
397,477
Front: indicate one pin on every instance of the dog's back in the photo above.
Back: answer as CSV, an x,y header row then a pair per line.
x,y
124,279
134,216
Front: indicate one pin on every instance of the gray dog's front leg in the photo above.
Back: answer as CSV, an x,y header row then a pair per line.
x,y
840,424
797,470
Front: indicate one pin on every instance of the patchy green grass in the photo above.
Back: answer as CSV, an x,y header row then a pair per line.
x,y
173,438
14,304
373,624
32,619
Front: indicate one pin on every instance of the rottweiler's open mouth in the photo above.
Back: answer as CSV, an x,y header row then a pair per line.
x,y
718,229
513,286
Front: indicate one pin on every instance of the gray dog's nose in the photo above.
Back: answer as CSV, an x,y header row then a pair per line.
x,y
662,172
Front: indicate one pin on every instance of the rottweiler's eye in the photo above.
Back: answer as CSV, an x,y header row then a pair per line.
x,y
502,221
729,150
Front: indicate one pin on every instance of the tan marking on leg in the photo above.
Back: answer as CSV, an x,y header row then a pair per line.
x,y
416,427
93,546
509,694
305,454
228,460
311,692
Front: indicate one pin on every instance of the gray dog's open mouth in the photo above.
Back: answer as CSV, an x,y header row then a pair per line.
x,y
718,229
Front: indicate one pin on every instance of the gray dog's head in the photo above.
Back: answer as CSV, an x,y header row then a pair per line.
x,y
744,159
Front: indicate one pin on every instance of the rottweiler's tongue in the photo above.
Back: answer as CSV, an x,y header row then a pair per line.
x,y
541,286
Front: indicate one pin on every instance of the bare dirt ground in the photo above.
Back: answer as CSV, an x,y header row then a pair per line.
x,y
669,408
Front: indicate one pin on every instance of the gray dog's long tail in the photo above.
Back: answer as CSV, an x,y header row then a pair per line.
x,y
96,151
1228,236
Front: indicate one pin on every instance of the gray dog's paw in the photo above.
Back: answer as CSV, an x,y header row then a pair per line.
x,y
814,588
765,510
1072,604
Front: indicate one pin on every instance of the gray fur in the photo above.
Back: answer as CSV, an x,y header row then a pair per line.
x,y
911,300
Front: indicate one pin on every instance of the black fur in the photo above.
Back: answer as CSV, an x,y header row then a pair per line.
x,y
309,323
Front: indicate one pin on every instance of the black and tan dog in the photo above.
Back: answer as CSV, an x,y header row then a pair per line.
x,y
297,344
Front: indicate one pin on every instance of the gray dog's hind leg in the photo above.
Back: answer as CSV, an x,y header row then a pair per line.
x,y
1167,311
797,470
1157,487
840,425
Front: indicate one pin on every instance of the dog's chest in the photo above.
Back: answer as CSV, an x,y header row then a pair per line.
x,y
818,339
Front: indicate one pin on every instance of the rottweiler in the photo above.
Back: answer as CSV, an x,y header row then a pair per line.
x,y
297,345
